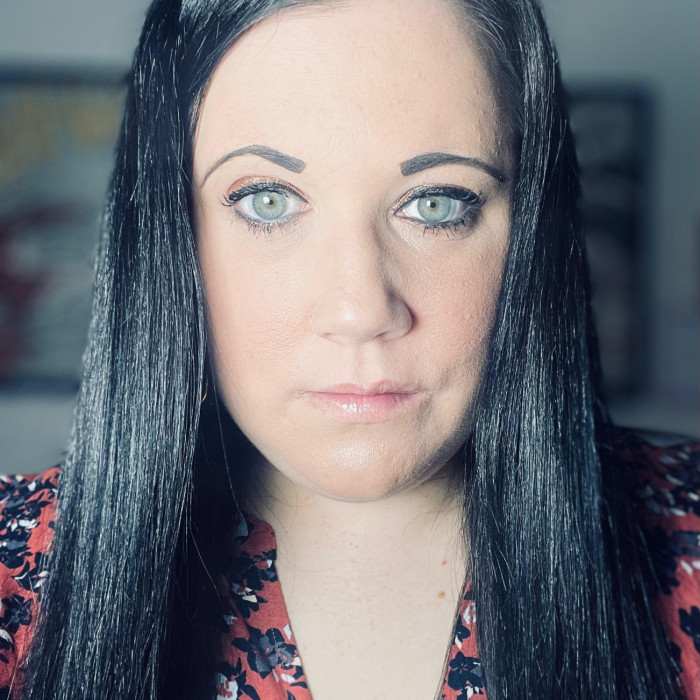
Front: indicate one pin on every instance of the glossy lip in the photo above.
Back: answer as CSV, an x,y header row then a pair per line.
x,y
352,403
384,386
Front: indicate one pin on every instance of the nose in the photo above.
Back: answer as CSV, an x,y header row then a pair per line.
x,y
356,300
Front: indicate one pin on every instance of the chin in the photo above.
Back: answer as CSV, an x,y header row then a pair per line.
x,y
362,482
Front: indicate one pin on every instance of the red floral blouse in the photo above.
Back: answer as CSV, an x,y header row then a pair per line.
x,y
259,658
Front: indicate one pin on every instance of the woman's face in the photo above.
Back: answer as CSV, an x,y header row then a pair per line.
x,y
337,252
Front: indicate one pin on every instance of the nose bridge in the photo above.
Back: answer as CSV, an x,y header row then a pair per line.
x,y
357,256
357,300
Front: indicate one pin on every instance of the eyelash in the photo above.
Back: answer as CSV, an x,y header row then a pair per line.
x,y
473,200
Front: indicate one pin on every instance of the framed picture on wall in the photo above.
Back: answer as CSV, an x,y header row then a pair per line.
x,y
612,126
57,138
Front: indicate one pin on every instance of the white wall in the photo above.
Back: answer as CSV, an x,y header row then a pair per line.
x,y
80,33
648,41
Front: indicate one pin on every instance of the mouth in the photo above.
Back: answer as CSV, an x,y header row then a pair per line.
x,y
375,407
384,386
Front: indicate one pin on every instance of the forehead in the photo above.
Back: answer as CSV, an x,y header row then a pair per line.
x,y
362,81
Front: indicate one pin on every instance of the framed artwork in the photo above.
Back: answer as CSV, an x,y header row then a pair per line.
x,y
612,127
57,140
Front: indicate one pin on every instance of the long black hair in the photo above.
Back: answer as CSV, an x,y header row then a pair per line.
x,y
151,474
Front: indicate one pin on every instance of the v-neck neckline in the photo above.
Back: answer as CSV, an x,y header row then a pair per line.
x,y
259,625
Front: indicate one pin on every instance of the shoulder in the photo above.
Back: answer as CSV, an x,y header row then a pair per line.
x,y
27,508
662,473
27,505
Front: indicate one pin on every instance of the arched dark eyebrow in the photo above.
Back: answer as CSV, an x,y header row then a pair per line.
x,y
408,167
290,162
430,160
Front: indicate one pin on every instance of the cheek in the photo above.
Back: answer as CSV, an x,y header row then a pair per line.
x,y
250,323
253,324
460,310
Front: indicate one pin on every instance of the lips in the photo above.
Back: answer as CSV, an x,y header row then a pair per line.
x,y
384,386
374,403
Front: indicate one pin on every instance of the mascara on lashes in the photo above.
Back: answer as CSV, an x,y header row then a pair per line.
x,y
472,199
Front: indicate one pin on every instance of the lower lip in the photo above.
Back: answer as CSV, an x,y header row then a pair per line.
x,y
356,408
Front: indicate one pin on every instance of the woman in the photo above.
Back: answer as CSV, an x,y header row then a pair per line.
x,y
294,211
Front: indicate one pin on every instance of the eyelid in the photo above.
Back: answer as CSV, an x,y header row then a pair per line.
x,y
259,179
424,190
440,190
236,195
471,199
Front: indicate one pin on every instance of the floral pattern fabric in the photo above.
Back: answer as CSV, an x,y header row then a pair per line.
x,y
262,661
259,657
27,505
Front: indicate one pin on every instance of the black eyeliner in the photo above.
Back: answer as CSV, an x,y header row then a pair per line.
x,y
255,187
458,193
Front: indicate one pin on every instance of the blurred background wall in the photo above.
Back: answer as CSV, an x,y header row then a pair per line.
x,y
645,51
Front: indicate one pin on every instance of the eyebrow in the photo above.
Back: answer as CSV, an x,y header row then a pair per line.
x,y
408,167
290,162
430,160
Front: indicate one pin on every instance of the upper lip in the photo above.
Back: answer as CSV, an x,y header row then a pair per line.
x,y
385,386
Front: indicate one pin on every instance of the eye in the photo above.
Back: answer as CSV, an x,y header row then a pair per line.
x,y
264,206
442,208
268,205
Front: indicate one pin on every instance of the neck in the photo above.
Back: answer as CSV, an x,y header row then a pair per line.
x,y
418,529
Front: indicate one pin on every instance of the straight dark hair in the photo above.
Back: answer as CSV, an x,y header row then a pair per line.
x,y
559,569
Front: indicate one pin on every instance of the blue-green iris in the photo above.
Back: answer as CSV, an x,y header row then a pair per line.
x,y
434,208
269,205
